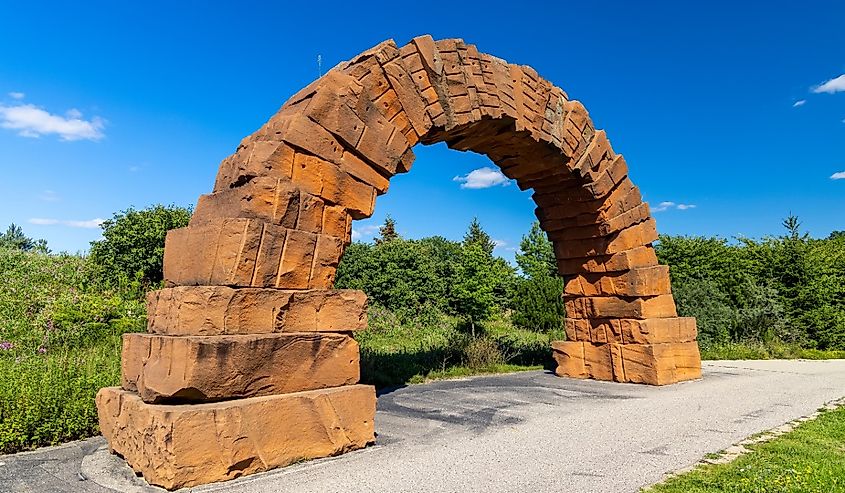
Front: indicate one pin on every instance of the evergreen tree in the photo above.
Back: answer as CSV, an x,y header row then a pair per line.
x,y
387,231
536,256
477,236
15,238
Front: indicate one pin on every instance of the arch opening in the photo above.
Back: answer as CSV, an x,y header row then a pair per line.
x,y
249,307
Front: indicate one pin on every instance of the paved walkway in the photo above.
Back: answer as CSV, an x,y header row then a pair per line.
x,y
507,433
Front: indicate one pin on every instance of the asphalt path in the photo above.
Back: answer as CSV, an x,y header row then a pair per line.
x,y
519,432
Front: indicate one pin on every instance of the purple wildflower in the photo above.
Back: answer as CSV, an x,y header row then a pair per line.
x,y
42,350
6,346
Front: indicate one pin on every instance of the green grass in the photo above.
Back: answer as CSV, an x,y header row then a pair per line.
x,y
809,459
772,350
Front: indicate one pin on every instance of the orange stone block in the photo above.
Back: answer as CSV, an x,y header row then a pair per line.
x,y
212,368
644,281
177,446
221,310
662,306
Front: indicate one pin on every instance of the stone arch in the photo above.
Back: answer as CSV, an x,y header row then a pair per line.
x,y
249,309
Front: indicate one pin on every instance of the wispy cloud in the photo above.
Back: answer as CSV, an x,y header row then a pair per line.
x,y
800,102
49,196
840,175
17,95
499,243
29,120
665,206
485,177
90,223
837,84
364,231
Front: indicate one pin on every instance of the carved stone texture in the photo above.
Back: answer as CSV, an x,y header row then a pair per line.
x,y
221,310
188,445
209,368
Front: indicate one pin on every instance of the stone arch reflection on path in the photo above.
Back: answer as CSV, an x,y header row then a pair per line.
x,y
249,363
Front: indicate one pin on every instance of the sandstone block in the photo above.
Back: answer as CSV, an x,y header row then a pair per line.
x,y
274,201
640,234
210,368
660,364
623,261
221,310
177,446
644,281
246,252
661,306
582,360
631,331
653,364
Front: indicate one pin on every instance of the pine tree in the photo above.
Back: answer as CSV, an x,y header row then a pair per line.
x,y
387,231
16,239
536,256
477,236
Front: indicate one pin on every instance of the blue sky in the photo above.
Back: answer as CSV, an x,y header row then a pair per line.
x,y
719,106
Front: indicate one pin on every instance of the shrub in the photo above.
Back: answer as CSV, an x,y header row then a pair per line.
x,y
132,247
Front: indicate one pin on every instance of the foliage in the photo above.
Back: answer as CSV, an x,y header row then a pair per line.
x,y
788,288
537,302
132,247
536,256
15,239
59,343
387,231
808,459
476,235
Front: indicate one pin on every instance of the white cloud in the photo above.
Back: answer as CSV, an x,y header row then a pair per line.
x,y
17,95
365,231
90,223
665,206
800,102
499,243
840,175
834,85
31,121
485,177
49,196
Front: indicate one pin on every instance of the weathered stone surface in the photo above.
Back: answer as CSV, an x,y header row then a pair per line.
x,y
623,261
209,368
612,307
247,252
638,235
274,201
188,445
221,310
631,331
653,364
644,281
660,364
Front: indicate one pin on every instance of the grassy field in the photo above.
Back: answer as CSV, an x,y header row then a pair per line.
x,y
809,459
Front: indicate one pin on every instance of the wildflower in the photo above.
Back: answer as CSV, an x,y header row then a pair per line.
x,y
6,346
42,350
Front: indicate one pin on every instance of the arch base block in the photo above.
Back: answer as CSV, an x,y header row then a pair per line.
x,y
654,364
178,446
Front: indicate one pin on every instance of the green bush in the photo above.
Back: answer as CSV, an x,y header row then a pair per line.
x,y
132,247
